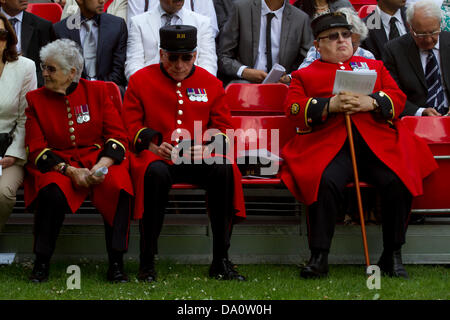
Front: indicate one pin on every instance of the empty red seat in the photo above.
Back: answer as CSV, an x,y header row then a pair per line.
x,y
48,11
436,133
365,10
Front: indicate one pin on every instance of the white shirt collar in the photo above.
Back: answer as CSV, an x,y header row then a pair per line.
x,y
178,14
386,18
265,10
18,17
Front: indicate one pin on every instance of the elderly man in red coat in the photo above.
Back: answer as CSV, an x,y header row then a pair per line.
x,y
169,107
318,161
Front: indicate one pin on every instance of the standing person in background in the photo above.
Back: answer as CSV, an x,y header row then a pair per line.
x,y
260,34
314,8
143,39
203,7
17,77
103,39
117,8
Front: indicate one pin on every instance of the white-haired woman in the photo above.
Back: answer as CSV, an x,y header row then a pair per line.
x,y
72,131
359,33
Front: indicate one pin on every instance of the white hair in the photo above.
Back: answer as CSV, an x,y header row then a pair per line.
x,y
66,53
358,26
428,7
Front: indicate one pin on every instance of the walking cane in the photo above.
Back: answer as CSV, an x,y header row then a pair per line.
x,y
348,124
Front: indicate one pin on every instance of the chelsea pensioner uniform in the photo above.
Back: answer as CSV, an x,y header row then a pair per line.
x,y
156,106
77,128
317,162
319,140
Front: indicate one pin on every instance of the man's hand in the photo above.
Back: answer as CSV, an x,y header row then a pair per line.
x,y
430,112
350,103
7,161
285,79
254,75
196,152
164,150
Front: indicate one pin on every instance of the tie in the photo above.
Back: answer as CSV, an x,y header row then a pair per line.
x,y
168,19
393,32
435,97
13,22
269,40
90,50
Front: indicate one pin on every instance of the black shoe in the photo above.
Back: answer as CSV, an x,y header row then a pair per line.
x,y
391,264
40,272
116,273
223,269
147,274
317,266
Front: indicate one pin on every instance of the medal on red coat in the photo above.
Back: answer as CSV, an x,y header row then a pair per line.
x,y
82,113
86,116
79,114
358,66
197,95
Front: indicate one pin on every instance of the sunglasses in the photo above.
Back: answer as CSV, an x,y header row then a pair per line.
x,y
3,34
335,35
50,69
184,57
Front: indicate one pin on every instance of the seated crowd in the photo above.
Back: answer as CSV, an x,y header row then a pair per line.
x,y
64,140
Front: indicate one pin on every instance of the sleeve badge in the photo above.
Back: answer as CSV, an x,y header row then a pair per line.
x,y
295,108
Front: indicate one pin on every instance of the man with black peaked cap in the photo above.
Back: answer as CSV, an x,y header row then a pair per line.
x,y
317,160
160,107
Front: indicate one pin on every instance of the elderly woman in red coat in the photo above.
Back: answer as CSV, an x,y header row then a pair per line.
x,y
318,163
73,131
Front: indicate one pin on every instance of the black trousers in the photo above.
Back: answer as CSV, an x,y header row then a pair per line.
x,y
395,197
216,179
49,217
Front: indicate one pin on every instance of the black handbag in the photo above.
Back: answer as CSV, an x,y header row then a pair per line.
x,y
6,140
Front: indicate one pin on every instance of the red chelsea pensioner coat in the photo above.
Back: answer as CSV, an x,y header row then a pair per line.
x,y
156,105
52,130
319,140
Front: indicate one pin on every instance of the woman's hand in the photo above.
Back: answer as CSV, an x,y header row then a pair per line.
x,y
7,161
103,162
78,176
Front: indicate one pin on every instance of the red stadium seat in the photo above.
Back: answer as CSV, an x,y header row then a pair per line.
x,y
365,10
48,11
251,98
436,133
357,4
114,94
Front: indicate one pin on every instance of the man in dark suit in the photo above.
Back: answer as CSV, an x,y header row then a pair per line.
x,y
386,22
420,62
243,51
103,39
32,31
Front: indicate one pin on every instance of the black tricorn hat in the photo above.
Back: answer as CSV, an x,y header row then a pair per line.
x,y
328,21
178,38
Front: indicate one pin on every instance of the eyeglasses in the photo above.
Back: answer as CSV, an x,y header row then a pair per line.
x,y
50,69
184,57
425,35
3,34
335,35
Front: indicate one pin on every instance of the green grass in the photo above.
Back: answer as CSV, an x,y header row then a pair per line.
x,y
186,282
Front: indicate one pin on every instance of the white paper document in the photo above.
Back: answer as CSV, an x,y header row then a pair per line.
x,y
361,81
275,74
